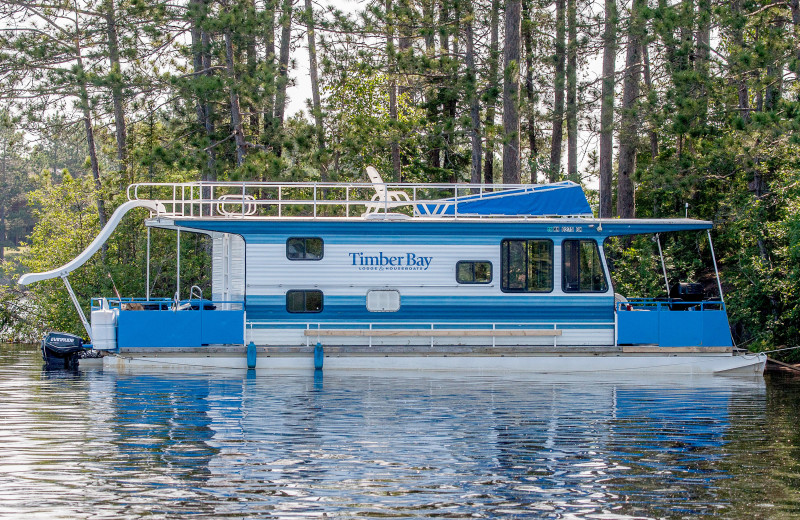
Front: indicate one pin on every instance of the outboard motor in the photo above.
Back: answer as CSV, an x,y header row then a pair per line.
x,y
61,350
685,295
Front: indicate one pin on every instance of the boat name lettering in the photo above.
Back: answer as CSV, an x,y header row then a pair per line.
x,y
380,262
565,229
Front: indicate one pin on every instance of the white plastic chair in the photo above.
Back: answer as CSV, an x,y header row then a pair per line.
x,y
383,198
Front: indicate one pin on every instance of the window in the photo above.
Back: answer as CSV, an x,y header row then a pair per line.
x,y
582,269
473,272
304,301
526,265
383,301
304,248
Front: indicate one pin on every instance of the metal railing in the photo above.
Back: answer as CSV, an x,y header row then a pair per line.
x,y
671,304
166,304
320,200
421,326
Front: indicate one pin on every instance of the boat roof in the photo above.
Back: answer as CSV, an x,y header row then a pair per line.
x,y
549,226
238,207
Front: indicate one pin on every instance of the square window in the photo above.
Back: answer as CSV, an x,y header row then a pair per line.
x,y
305,248
526,265
304,301
469,271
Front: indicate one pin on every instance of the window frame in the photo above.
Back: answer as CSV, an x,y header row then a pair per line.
x,y
503,262
597,248
399,300
305,249
305,301
473,262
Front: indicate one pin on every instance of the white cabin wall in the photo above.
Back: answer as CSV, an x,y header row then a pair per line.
x,y
269,272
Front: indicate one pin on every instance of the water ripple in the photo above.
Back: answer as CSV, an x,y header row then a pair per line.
x,y
102,444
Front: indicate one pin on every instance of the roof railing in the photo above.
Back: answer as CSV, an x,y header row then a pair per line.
x,y
324,199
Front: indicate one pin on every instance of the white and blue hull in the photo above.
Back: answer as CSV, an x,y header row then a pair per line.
x,y
621,363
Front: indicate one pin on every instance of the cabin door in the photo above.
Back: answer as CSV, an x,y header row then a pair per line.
x,y
227,277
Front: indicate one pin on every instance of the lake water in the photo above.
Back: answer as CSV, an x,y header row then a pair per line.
x,y
102,444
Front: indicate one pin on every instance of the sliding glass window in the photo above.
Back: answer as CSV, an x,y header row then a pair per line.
x,y
526,265
582,270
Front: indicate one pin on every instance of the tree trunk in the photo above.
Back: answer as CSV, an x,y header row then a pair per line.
x,y
3,202
283,74
391,66
492,87
211,162
701,62
474,104
774,90
607,108
269,87
629,124
648,81
404,41
558,103
447,91
116,85
252,64
511,94
527,37
315,98
572,92
737,37
236,114
88,127
201,62
428,15
795,6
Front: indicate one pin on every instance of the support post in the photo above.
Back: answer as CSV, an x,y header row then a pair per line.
x,y
663,267
147,287
178,271
78,307
716,271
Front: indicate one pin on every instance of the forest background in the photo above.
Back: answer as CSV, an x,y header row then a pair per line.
x,y
658,103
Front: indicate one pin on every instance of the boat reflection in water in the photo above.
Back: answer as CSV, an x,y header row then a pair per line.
x,y
411,445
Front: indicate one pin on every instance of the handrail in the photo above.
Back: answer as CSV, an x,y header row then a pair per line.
x,y
647,304
309,328
321,199
163,303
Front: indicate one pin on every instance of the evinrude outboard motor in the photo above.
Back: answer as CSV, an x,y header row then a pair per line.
x,y
61,350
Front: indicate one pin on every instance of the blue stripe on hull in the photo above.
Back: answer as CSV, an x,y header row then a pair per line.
x,y
440,313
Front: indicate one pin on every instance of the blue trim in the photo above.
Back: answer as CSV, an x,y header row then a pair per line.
x,y
448,232
420,310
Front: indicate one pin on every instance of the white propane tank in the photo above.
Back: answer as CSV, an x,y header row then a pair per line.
x,y
104,327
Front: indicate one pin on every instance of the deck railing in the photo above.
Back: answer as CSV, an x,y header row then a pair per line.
x,y
672,304
317,199
315,331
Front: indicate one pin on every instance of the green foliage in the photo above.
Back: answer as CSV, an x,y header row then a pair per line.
x,y
719,129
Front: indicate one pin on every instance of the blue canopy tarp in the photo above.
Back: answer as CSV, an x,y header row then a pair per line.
x,y
558,199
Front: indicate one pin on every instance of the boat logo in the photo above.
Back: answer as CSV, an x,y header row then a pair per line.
x,y
383,262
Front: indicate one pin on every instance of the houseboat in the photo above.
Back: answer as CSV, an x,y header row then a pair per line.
x,y
378,275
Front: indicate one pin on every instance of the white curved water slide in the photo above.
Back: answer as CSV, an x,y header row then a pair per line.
x,y
97,243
